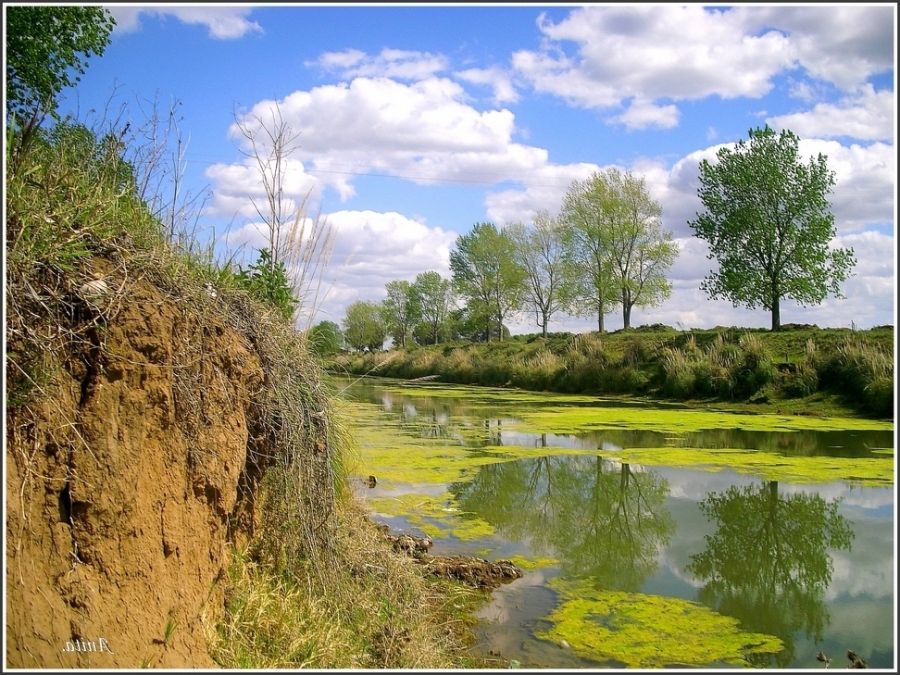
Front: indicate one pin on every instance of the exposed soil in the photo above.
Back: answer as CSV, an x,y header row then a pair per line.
x,y
123,489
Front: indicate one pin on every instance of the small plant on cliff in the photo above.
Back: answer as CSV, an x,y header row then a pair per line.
x,y
268,282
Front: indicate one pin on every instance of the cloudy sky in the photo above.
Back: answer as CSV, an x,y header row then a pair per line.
x,y
416,122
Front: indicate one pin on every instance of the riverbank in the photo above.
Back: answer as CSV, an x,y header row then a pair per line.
x,y
177,479
798,370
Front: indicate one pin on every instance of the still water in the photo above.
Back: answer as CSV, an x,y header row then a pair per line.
x,y
651,535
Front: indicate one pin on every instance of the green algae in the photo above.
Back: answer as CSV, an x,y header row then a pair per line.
x,y
580,419
649,631
532,563
434,515
871,471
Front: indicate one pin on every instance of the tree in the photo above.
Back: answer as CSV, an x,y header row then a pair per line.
x,y
302,243
486,273
768,224
401,310
364,326
641,251
435,296
539,251
46,51
588,209
326,338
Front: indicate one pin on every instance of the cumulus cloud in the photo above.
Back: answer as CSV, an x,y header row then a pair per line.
x,y
651,52
394,63
600,57
424,131
496,78
372,248
866,116
643,114
223,23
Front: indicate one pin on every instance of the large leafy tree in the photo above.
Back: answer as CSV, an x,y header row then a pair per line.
x,y
401,310
47,48
326,338
539,251
768,224
435,296
588,211
486,273
641,251
364,326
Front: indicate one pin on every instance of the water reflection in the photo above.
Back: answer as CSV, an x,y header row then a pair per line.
x,y
601,519
767,562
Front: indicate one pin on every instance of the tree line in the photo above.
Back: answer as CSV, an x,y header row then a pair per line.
x,y
766,220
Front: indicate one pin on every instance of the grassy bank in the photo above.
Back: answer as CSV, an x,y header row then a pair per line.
x,y
807,368
311,582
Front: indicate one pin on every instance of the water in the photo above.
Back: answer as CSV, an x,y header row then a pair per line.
x,y
651,536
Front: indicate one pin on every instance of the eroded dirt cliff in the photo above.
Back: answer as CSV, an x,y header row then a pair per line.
x,y
123,484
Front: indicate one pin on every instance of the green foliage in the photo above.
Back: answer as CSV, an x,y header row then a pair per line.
x,y
268,283
486,274
586,212
768,224
325,338
863,372
402,310
364,326
539,252
435,298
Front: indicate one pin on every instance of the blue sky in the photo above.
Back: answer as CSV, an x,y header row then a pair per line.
x,y
416,122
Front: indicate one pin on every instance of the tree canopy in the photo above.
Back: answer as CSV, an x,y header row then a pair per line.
x,y
767,222
435,296
364,326
402,310
47,48
485,273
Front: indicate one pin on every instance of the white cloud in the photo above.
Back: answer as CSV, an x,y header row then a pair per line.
x,y
394,63
843,45
497,78
371,249
651,52
223,23
867,116
423,131
643,114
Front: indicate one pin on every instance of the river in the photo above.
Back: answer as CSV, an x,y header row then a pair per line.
x,y
651,535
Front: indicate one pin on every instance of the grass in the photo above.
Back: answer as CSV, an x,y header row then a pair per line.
x,y
800,367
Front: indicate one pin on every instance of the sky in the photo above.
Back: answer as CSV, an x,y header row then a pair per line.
x,y
416,122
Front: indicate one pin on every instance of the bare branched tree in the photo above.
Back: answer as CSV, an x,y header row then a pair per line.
x,y
302,243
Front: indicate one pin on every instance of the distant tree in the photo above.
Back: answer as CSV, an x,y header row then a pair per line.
x,y
641,251
588,210
768,224
435,296
326,338
486,274
364,326
539,251
401,310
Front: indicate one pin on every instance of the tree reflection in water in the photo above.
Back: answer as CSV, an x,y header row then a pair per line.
x,y
602,519
767,562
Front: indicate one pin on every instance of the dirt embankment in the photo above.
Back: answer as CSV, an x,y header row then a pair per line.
x,y
124,487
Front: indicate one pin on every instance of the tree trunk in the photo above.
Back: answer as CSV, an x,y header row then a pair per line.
x,y
776,313
544,325
600,320
626,314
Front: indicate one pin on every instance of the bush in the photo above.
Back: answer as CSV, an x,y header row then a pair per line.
x,y
268,283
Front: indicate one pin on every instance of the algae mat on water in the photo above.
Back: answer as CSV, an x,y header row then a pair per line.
x,y
868,471
649,631
581,419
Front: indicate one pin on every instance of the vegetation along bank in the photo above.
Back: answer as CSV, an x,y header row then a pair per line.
x,y
799,368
